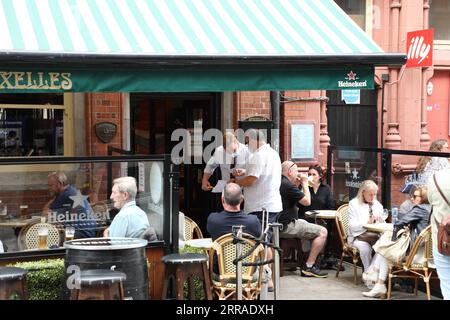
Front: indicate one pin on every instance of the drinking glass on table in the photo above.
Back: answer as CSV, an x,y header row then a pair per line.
x,y
384,215
42,238
23,211
70,233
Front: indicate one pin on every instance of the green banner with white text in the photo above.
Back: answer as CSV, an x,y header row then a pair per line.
x,y
202,78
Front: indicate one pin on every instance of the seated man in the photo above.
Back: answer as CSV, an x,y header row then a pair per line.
x,y
293,227
131,221
220,223
69,207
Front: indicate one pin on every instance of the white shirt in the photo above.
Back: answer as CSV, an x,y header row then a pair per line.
x,y
265,165
358,215
435,164
224,159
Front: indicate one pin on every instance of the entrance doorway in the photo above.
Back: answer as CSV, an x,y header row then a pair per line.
x,y
354,125
154,117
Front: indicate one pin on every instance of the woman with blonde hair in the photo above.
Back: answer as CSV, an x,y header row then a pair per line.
x,y
364,209
426,165
417,220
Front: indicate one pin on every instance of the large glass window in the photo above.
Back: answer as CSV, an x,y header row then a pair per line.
x,y
439,17
32,198
35,125
356,9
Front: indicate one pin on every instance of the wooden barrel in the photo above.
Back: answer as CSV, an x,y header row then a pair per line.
x,y
121,254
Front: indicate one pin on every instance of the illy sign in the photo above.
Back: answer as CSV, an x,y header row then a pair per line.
x,y
419,48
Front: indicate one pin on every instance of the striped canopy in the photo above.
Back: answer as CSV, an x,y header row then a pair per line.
x,y
180,27
151,39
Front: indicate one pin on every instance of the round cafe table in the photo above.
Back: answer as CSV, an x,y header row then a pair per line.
x,y
326,215
379,227
205,243
322,214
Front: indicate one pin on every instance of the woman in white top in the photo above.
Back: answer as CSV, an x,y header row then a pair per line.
x,y
363,209
426,166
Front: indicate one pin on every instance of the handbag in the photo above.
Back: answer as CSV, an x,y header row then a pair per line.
x,y
393,251
443,234
369,237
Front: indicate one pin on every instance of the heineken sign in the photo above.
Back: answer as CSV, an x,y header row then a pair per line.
x,y
352,81
172,78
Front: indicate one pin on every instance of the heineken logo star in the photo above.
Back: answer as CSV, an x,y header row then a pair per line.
x,y
354,174
78,199
351,75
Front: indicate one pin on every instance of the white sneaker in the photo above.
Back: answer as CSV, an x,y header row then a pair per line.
x,y
378,291
370,278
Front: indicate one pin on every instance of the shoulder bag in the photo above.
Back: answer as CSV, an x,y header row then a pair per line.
x,y
393,251
443,234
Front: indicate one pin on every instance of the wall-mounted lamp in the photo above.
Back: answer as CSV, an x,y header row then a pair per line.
x,y
430,87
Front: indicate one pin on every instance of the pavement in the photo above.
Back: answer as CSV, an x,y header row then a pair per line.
x,y
295,287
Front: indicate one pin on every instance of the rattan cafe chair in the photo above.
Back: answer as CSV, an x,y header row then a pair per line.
x,y
225,287
417,265
347,249
191,229
29,236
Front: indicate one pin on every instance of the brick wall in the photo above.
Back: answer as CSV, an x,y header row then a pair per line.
x,y
251,104
103,107
35,199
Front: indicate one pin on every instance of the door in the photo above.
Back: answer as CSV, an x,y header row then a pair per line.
x,y
155,117
353,125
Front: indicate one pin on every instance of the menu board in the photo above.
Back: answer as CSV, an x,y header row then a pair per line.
x,y
302,141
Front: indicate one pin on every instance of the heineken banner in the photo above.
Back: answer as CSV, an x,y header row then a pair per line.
x,y
186,79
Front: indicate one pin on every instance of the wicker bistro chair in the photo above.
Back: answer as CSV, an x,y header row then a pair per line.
x,y
225,250
29,239
418,264
347,249
191,229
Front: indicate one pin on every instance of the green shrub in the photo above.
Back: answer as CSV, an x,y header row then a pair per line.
x,y
44,278
198,284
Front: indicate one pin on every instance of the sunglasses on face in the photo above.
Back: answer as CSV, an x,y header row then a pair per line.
x,y
416,196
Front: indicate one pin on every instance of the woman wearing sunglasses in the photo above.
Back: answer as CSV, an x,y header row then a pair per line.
x,y
417,220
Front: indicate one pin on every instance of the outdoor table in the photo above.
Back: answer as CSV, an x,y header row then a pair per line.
x,y
205,243
326,215
378,227
322,214
120,254
18,223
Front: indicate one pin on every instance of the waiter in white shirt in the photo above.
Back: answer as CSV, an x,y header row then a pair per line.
x,y
261,178
229,156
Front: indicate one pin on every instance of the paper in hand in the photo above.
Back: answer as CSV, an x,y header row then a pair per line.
x,y
219,186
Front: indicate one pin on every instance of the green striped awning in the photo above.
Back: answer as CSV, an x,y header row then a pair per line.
x,y
179,32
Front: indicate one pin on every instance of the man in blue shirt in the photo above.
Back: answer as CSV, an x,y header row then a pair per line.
x,y
131,221
69,207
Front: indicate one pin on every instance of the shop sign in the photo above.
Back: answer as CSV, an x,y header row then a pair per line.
x,y
351,96
105,131
352,80
419,48
31,80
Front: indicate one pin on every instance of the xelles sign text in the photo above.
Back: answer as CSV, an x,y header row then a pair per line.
x,y
21,80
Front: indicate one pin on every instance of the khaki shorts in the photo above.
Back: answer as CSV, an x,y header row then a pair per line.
x,y
301,229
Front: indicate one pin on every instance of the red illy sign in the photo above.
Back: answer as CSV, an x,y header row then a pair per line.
x,y
419,48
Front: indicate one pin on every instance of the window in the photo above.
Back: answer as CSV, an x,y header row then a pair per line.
x,y
439,17
356,9
35,125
